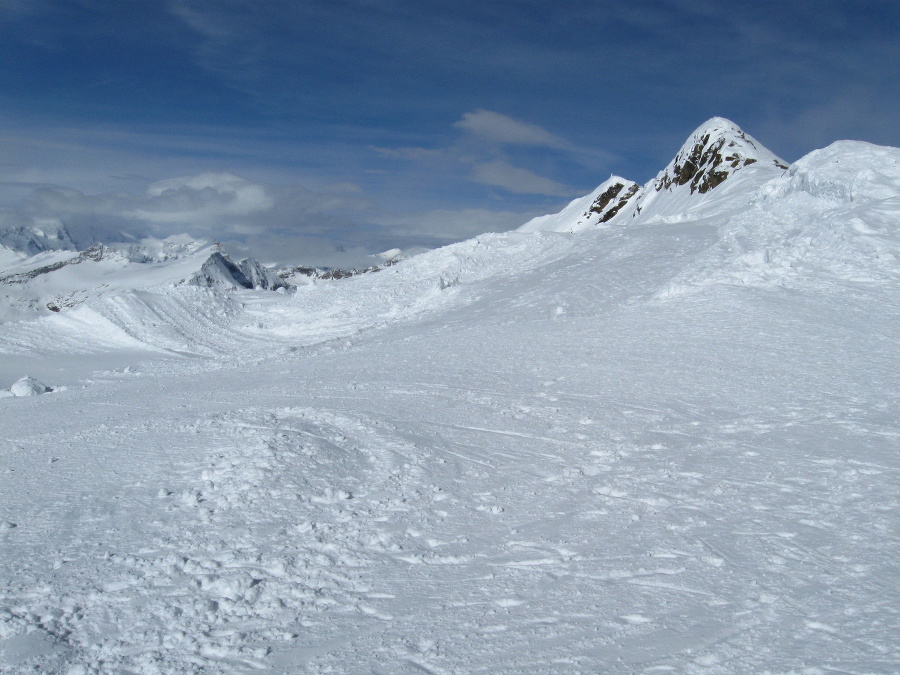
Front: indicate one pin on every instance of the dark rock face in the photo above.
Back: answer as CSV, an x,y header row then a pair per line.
x,y
611,201
709,162
600,203
221,271
623,200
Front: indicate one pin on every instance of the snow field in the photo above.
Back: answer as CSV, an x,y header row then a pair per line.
x,y
666,446
571,495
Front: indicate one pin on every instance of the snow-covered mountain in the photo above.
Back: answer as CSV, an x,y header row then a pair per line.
x,y
58,280
655,432
717,151
773,222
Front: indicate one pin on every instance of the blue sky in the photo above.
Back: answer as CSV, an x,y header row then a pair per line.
x,y
320,131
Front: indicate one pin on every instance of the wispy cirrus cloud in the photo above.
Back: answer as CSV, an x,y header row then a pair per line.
x,y
494,150
517,180
410,153
499,128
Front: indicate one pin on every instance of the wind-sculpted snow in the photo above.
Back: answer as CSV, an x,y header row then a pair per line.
x,y
844,172
100,299
28,386
833,218
181,320
666,443
417,288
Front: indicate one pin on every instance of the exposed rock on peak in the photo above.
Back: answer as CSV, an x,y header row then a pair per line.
x,y
611,200
713,152
600,206
220,271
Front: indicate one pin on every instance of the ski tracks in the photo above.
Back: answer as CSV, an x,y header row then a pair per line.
x,y
601,536
236,565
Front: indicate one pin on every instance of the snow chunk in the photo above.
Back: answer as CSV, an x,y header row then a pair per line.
x,y
391,255
28,386
845,171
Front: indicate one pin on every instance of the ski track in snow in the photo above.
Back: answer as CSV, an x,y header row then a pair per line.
x,y
669,448
434,521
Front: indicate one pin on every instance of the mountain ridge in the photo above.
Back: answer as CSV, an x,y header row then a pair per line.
x,y
714,152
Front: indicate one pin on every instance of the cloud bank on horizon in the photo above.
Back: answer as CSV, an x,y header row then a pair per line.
x,y
320,132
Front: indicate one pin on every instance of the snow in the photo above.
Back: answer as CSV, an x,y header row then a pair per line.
x,y
845,171
663,444
9,257
28,386
576,216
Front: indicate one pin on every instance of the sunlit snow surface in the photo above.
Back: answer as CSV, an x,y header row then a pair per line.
x,y
666,445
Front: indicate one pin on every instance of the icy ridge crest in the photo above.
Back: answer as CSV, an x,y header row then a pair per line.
x,y
845,171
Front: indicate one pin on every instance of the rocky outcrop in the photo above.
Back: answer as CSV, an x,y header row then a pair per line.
x,y
611,201
712,153
220,271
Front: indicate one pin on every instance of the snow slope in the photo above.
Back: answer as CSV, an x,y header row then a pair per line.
x,y
663,443
104,299
600,206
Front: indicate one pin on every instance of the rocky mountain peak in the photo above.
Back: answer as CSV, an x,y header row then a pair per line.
x,y
220,271
711,154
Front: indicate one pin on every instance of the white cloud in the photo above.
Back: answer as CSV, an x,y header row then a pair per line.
x,y
500,173
205,200
499,128
276,224
414,154
220,205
